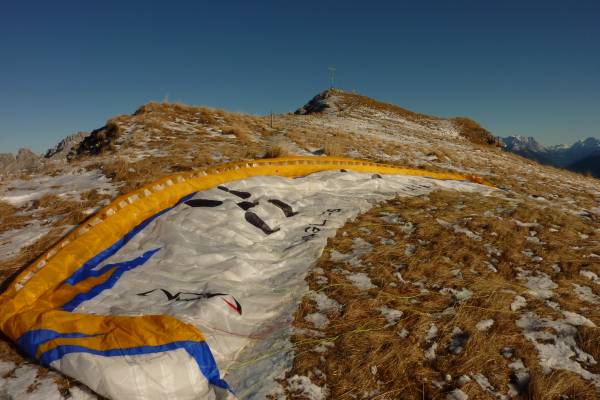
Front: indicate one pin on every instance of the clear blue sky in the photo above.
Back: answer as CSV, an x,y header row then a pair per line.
x,y
519,67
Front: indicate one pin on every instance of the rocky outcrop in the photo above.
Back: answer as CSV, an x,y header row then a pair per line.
x,y
24,161
99,141
324,102
66,147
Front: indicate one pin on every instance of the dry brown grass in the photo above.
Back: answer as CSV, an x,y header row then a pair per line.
x,y
360,339
54,211
276,151
9,217
475,132
353,100
334,148
242,133
101,140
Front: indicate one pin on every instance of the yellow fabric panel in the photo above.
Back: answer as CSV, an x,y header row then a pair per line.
x,y
30,297
120,333
130,331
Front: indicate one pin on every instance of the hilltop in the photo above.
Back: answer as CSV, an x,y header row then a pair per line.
x,y
469,295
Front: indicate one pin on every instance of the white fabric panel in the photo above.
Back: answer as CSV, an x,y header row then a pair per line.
x,y
168,375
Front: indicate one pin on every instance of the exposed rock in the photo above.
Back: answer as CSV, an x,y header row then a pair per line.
x,y
324,102
99,141
24,161
66,147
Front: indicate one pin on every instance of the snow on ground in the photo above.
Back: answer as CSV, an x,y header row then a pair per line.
x,y
25,382
20,192
484,325
538,283
586,294
12,241
324,303
392,316
518,303
558,350
360,247
459,229
303,386
591,276
360,280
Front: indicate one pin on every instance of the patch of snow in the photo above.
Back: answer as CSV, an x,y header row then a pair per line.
x,y
6,367
460,295
492,251
430,352
78,393
531,255
486,386
323,347
387,242
518,303
459,339
577,319
464,379
519,379
303,386
431,333
586,294
11,242
360,247
24,383
527,224
360,280
459,229
540,285
325,304
507,352
70,185
591,276
319,320
392,316
457,394
484,325
559,350
484,383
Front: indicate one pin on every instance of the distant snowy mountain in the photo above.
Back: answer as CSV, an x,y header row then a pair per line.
x,y
528,147
578,151
562,156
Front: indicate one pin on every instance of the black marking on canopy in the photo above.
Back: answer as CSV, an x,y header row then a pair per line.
x,y
238,193
286,208
255,220
203,203
192,296
246,205
376,176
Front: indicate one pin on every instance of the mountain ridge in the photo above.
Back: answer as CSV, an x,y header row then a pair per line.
x,y
561,156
